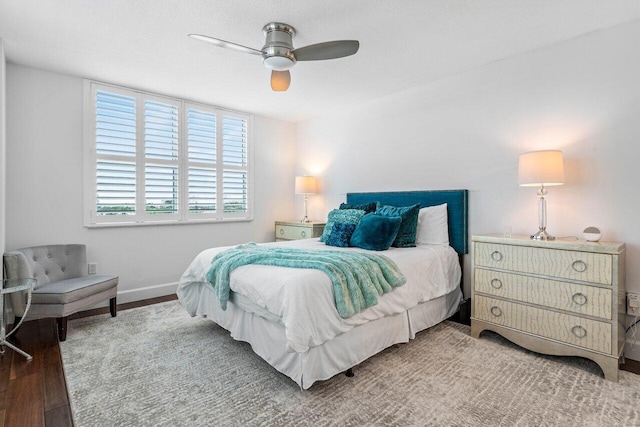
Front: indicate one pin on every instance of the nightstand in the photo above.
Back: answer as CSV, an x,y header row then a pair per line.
x,y
561,297
295,230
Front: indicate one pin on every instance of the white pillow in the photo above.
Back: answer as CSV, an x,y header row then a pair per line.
x,y
433,228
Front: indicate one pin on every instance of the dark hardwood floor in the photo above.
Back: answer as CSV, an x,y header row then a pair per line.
x,y
34,394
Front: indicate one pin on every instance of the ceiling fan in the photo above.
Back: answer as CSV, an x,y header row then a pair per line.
x,y
279,55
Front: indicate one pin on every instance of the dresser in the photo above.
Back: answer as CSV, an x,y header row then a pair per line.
x,y
562,297
295,230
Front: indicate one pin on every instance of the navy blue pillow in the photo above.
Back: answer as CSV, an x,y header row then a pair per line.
x,y
406,237
366,207
346,216
340,234
375,232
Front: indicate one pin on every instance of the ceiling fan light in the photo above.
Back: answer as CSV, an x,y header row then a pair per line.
x,y
280,81
278,63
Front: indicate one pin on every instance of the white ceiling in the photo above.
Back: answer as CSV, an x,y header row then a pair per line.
x,y
143,43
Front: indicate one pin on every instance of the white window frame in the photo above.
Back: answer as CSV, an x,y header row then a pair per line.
x,y
183,216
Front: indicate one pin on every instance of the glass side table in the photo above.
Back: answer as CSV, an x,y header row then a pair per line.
x,y
10,286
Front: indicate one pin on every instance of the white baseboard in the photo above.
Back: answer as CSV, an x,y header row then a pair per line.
x,y
139,294
147,292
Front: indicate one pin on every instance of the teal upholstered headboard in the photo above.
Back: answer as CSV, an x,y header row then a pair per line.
x,y
457,208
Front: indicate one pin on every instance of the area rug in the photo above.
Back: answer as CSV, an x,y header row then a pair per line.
x,y
156,366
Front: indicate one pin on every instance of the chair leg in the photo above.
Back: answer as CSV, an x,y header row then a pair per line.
x,y
113,308
62,328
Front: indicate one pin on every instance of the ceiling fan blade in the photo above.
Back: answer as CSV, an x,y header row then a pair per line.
x,y
327,50
280,80
224,43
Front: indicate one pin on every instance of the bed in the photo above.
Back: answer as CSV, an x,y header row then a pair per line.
x,y
269,306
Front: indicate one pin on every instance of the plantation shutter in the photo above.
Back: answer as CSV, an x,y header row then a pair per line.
x,y
115,136
235,188
155,159
202,153
161,158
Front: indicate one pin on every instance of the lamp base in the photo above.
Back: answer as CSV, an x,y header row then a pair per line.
x,y
306,218
542,235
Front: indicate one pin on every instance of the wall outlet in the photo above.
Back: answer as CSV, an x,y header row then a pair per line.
x,y
633,303
93,267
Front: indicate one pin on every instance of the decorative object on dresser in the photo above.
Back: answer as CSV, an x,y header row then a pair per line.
x,y
295,230
540,169
592,234
306,185
565,298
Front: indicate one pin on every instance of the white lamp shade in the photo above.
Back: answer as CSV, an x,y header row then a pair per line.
x,y
541,168
306,185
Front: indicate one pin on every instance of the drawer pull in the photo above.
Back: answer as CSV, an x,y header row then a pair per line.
x,y
303,233
579,331
579,298
496,256
496,283
496,311
579,266
281,231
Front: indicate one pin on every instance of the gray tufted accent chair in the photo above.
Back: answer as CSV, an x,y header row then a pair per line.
x,y
62,288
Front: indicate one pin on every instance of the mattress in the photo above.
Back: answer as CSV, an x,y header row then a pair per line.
x,y
301,300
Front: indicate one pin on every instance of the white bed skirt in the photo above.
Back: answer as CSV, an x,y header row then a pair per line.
x,y
268,340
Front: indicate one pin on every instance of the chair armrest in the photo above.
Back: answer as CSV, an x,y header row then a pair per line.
x,y
16,266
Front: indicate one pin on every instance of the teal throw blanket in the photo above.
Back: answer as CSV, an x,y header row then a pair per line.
x,y
358,278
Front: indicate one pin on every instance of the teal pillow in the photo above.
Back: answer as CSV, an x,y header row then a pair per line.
x,y
375,232
345,216
406,237
366,207
340,235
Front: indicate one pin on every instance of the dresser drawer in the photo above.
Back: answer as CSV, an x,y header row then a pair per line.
x,y
291,232
581,299
296,231
563,264
586,333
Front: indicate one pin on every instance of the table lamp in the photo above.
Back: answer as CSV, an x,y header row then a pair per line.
x,y
306,185
541,169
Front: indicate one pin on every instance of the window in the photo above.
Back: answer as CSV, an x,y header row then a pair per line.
x,y
151,159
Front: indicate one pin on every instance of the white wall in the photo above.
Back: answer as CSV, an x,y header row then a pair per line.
x,y
3,162
45,189
466,131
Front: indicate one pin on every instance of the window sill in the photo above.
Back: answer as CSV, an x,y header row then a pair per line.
x,y
154,223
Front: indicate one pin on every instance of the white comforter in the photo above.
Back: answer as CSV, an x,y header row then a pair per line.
x,y
303,298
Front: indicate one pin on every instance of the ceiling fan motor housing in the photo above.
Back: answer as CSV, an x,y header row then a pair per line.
x,y
276,53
